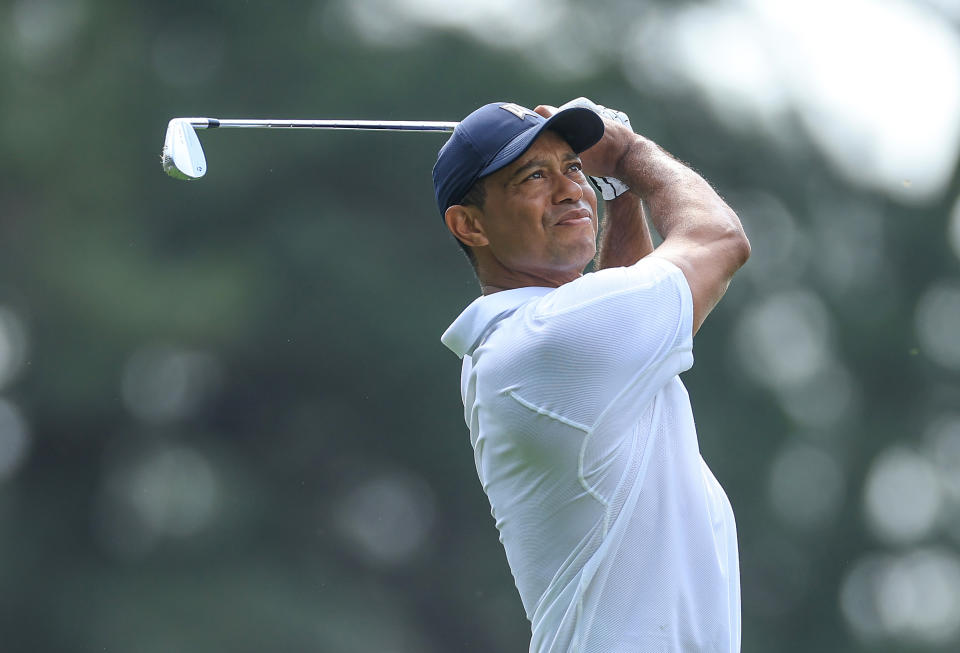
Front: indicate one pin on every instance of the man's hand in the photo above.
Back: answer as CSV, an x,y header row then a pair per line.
x,y
601,160
701,234
610,187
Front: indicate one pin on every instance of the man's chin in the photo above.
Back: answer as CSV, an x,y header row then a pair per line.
x,y
577,264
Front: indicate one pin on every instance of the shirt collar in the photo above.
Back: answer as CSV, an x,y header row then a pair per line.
x,y
466,332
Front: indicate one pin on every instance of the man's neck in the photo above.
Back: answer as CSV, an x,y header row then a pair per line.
x,y
489,289
509,280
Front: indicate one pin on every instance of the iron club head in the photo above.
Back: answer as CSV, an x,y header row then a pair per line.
x,y
182,155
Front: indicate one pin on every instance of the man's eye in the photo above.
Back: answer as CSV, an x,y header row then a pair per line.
x,y
536,175
576,167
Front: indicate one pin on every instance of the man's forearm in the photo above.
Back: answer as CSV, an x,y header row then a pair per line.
x,y
624,236
701,234
677,197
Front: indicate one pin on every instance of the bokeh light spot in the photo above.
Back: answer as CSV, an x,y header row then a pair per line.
x,y
387,518
495,22
13,345
780,250
163,382
764,65
919,596
858,597
167,492
902,496
943,447
825,400
784,340
914,597
42,30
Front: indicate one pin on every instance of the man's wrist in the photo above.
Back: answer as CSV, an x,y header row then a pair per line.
x,y
645,166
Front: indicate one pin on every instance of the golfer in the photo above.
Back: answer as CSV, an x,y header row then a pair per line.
x,y
619,537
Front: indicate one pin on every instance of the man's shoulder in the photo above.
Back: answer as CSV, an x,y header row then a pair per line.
x,y
596,301
593,288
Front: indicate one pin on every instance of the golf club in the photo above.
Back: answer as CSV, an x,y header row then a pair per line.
x,y
183,157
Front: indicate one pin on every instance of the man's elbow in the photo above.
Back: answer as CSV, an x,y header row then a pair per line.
x,y
728,241
734,239
740,247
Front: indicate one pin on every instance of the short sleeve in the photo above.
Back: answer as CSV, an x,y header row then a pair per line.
x,y
615,335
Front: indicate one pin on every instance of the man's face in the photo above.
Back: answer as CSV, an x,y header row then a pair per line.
x,y
540,213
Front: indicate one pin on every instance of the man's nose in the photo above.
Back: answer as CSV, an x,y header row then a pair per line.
x,y
567,190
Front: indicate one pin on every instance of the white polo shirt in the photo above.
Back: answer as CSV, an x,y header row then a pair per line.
x,y
619,537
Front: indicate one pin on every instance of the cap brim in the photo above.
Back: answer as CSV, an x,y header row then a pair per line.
x,y
580,127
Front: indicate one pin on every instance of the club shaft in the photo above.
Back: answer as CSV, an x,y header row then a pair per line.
x,y
375,125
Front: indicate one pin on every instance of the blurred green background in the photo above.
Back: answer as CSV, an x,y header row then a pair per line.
x,y
226,419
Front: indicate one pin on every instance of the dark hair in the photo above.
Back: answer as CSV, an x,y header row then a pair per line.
x,y
476,196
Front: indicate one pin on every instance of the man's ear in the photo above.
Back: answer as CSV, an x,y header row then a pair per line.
x,y
464,223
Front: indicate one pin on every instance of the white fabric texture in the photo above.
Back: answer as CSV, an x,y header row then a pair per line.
x,y
618,536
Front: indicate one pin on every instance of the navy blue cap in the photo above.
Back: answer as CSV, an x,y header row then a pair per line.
x,y
494,136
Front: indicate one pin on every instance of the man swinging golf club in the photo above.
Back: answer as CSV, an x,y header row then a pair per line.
x,y
619,537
